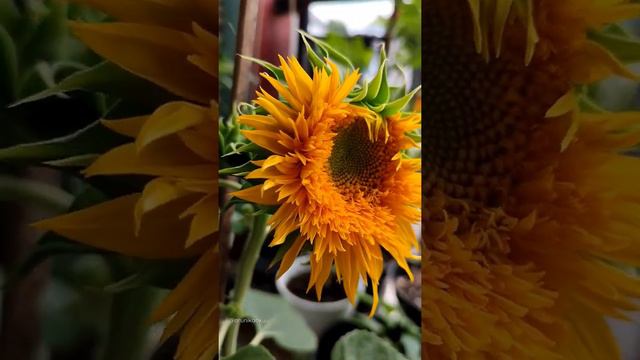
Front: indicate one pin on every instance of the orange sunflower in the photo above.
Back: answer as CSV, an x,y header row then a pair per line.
x,y
531,204
174,45
337,173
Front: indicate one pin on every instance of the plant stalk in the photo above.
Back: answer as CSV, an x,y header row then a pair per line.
x,y
244,275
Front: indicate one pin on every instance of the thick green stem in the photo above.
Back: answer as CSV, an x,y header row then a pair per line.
x,y
129,324
246,266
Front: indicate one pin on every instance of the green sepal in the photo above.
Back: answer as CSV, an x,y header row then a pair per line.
x,y
238,170
313,56
374,85
622,45
399,104
361,93
274,70
329,50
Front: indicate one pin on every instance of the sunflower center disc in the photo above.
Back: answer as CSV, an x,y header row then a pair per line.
x,y
357,163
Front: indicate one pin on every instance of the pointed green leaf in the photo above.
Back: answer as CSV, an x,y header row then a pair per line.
x,y
237,170
104,78
93,139
79,161
8,67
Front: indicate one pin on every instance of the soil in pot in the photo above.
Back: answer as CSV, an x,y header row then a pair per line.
x,y
332,290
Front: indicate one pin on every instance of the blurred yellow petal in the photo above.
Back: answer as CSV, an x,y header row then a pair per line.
x,y
155,53
151,12
156,193
128,127
165,158
205,218
110,226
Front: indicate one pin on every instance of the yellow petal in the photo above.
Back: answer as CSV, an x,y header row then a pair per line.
x,y
257,195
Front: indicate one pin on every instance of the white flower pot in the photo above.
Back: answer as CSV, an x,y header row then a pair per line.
x,y
318,315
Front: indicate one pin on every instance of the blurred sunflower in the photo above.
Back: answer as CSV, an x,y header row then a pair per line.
x,y
173,44
531,213
337,174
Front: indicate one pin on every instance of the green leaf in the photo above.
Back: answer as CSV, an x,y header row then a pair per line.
x,y
411,345
399,104
8,67
238,170
251,353
93,139
78,161
104,78
279,321
362,344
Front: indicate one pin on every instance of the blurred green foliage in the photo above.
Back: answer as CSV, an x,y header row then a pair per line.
x,y
354,48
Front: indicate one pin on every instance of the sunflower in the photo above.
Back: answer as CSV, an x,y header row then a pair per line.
x,y
174,45
531,203
337,174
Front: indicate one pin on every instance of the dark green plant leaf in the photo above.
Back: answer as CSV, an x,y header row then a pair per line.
x,y
93,139
105,78
251,353
362,344
8,67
